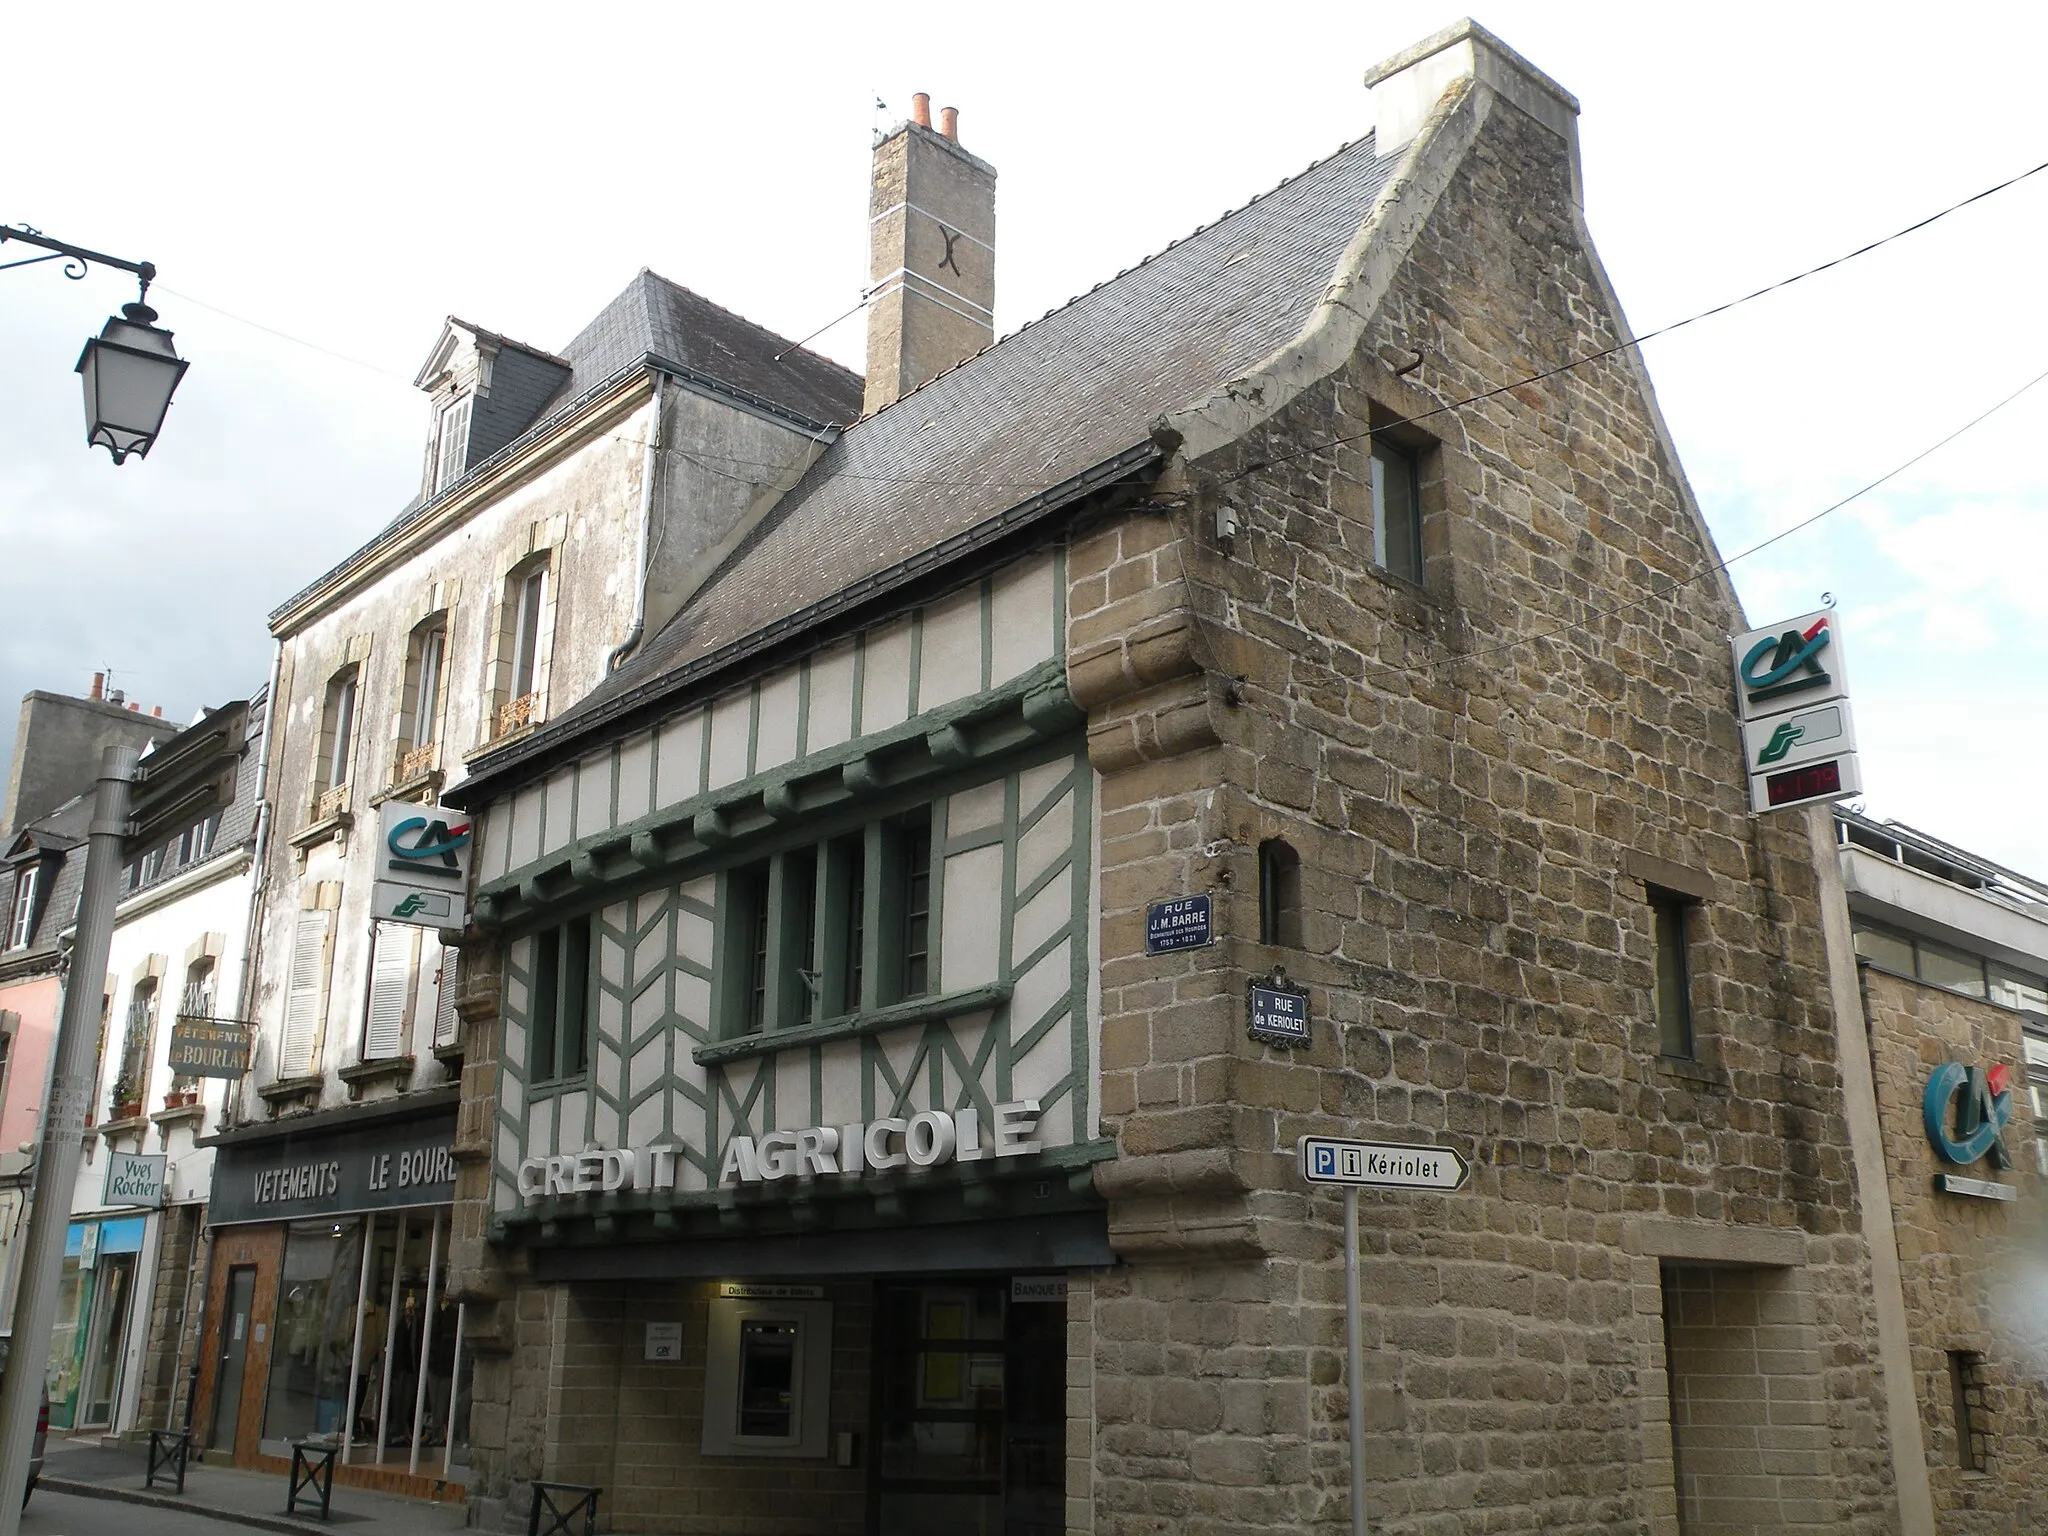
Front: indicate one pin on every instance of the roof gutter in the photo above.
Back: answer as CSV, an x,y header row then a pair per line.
x,y
540,751
647,465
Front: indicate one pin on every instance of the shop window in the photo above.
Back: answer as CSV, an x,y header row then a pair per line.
x,y
1279,894
767,1378
558,1036
1669,915
1972,1410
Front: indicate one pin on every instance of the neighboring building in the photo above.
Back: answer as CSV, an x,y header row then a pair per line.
x,y
836,1154
564,499
58,742
1952,972
122,1351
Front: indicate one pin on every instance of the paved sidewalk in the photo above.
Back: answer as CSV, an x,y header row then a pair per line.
x,y
246,1498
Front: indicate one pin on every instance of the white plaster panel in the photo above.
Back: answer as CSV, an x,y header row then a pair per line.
x,y
949,652
1034,784
1040,918
776,741
511,1095
693,998
594,794
605,1124
540,1128
694,934
648,1064
739,1078
557,820
792,1088
525,841
885,679
973,809
840,1076
504,1198
508,1147
651,952
575,1120
1044,843
610,1066
969,1030
1021,619
648,1008
689,1177
636,777
829,720
1035,1076
679,761
1041,988
732,722
515,988
644,1124
611,954
971,922
492,843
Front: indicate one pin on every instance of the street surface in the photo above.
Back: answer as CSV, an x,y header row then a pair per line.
x,y
62,1514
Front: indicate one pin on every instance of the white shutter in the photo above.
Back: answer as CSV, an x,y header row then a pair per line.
x,y
445,1022
390,991
306,993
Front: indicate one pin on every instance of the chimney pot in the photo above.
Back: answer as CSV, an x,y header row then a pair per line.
x,y
136,705
921,109
949,122
99,686
157,710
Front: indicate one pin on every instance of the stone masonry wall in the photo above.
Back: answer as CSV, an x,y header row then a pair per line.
x,y
1477,941
1975,1272
176,1296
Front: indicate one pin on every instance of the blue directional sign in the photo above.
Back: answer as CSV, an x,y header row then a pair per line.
x,y
1180,924
1380,1165
1279,1014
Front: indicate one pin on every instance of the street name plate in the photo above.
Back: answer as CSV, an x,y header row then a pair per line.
x,y
1179,924
1380,1165
1279,1014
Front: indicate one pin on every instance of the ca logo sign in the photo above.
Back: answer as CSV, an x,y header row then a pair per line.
x,y
420,846
1965,1110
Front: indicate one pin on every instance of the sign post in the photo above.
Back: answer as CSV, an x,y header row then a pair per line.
x,y
1360,1165
1792,698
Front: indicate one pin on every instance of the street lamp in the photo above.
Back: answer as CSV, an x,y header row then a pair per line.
x,y
131,368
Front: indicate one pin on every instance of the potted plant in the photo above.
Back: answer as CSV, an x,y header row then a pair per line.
x,y
127,1098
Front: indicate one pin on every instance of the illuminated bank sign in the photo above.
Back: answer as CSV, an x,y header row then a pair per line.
x,y
422,865
1965,1110
1792,694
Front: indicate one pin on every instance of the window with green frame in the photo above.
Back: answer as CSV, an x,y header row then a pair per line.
x,y
558,1019
828,930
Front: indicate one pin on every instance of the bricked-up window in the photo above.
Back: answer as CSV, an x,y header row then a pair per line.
x,y
1279,894
1972,1410
1670,915
1396,510
558,1038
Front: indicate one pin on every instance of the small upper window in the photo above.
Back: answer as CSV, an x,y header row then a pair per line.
x,y
1396,511
451,445
198,839
423,683
1674,974
22,920
528,600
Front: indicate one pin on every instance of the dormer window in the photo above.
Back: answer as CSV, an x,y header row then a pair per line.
x,y
451,443
21,922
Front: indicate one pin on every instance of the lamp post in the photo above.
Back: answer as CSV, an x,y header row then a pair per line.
x,y
131,369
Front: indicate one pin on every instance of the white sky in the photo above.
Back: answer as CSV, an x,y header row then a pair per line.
x,y
350,176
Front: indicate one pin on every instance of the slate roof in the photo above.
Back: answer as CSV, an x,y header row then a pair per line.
x,y
1044,405
656,320
654,315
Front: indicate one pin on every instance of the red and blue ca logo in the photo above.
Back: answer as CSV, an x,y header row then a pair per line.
x,y
1965,1109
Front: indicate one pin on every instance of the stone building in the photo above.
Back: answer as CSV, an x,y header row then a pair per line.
x,y
125,1336
560,496
1951,980
839,1154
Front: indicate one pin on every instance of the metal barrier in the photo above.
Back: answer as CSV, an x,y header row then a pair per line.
x,y
312,1474
560,1515
168,1452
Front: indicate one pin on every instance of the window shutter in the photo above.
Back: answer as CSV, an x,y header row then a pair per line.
x,y
390,991
304,995
445,1022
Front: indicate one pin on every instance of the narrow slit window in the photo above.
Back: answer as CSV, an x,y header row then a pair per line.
x,y
917,907
1279,894
1396,511
1673,987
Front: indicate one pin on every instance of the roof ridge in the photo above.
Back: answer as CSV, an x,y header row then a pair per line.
x,y
500,336
774,335
1143,262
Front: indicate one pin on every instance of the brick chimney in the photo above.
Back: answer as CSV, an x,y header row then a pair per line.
x,y
931,244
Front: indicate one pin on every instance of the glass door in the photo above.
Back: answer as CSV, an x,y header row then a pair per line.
x,y
114,1283
939,1391
234,1357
